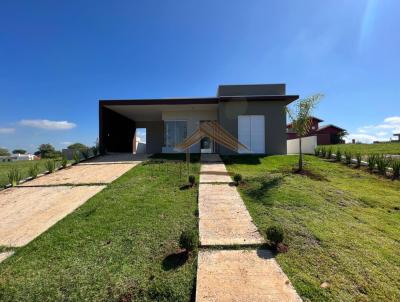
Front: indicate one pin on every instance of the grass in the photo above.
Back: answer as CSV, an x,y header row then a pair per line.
x,y
22,165
364,149
342,226
121,245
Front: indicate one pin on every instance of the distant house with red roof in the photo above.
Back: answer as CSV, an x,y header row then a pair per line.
x,y
326,134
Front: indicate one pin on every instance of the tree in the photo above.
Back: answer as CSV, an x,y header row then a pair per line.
x,y
47,151
339,137
19,151
77,147
4,152
301,119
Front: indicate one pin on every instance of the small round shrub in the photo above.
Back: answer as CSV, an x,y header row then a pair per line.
x,y
237,178
275,234
192,180
188,240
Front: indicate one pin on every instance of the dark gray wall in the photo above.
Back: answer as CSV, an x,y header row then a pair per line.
x,y
252,89
275,122
154,135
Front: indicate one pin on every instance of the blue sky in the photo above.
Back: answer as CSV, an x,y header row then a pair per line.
x,y
58,58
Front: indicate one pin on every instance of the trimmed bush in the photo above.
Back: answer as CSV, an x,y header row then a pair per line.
x,y
192,180
77,157
323,152
275,234
64,161
382,163
85,153
14,176
359,159
189,240
371,162
237,178
33,171
50,165
95,150
338,155
329,153
396,169
347,157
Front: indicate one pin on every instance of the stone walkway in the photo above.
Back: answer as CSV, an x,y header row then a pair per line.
x,y
224,219
233,275
30,209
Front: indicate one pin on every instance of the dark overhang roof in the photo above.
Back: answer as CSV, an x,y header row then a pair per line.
x,y
199,100
330,126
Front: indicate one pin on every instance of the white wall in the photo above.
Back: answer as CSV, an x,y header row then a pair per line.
x,y
193,118
308,145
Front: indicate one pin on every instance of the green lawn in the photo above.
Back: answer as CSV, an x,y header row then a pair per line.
x,y
365,149
343,229
118,246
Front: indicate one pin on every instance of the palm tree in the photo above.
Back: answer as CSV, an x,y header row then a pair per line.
x,y
300,116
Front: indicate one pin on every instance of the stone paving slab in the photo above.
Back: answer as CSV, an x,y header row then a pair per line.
x,y
5,255
241,275
223,217
26,212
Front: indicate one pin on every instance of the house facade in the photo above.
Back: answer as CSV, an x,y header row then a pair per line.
x,y
254,114
326,135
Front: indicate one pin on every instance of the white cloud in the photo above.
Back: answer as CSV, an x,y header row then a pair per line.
x,y
66,143
48,125
393,120
371,133
7,130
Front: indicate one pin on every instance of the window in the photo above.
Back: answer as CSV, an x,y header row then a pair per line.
x,y
174,132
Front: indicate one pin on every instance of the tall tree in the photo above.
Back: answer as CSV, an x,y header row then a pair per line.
x,y
78,147
19,151
300,115
47,151
4,152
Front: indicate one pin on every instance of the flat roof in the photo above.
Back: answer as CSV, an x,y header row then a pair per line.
x,y
198,100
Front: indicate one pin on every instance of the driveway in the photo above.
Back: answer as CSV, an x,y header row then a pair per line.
x,y
30,209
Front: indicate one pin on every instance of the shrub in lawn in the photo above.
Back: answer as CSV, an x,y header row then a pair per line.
x,y
275,234
371,162
317,151
14,176
329,153
347,156
85,153
396,169
338,155
188,240
95,151
237,178
382,163
358,158
33,171
50,165
77,157
323,152
64,161
192,180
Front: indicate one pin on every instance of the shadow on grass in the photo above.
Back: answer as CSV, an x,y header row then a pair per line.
x,y
194,157
242,159
257,188
175,260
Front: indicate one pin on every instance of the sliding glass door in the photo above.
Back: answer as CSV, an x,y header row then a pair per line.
x,y
174,132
